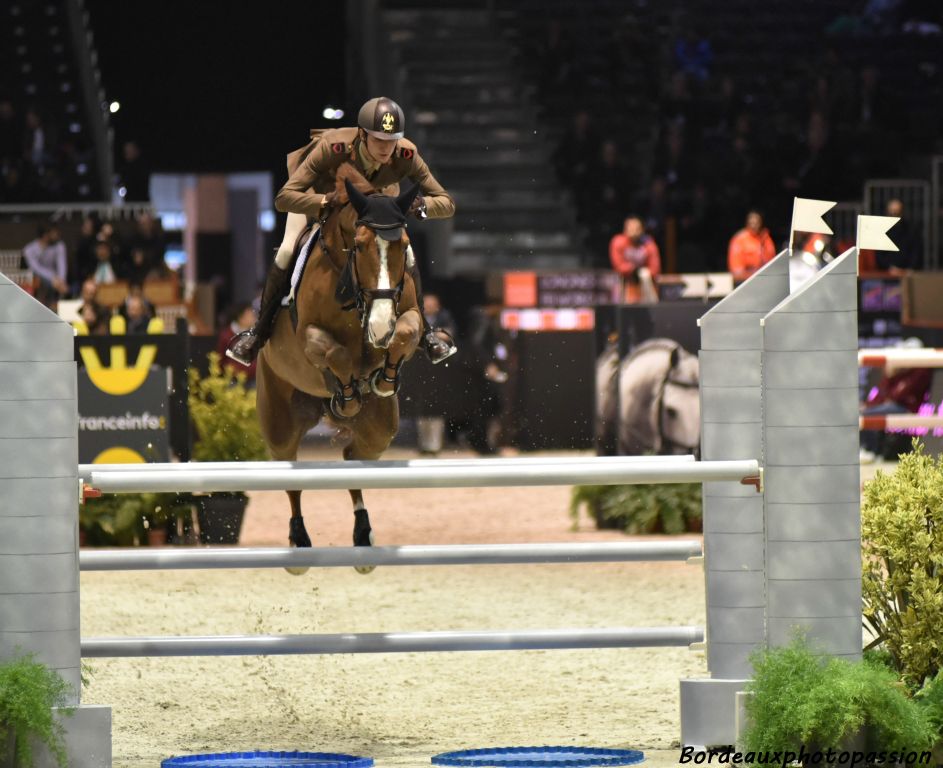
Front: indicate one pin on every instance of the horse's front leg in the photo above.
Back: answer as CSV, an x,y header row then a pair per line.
x,y
385,381
324,351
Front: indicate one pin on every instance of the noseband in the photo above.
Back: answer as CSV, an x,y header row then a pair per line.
x,y
351,295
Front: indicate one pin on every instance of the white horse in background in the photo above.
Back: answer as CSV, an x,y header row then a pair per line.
x,y
657,409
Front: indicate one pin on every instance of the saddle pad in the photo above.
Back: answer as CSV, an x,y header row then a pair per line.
x,y
300,264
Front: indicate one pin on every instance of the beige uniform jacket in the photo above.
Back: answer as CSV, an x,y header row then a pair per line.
x,y
312,171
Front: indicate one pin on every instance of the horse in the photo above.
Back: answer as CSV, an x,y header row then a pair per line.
x,y
356,321
650,399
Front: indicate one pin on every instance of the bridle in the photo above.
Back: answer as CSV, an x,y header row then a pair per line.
x,y
351,294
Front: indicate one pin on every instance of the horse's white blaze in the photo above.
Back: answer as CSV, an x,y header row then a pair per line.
x,y
381,321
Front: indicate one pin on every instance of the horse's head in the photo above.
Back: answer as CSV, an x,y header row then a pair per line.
x,y
377,262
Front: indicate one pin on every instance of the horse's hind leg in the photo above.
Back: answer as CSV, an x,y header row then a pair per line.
x,y
283,425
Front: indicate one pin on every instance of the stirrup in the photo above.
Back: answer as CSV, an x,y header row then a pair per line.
x,y
434,334
246,358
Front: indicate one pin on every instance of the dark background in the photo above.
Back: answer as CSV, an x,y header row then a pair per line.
x,y
220,86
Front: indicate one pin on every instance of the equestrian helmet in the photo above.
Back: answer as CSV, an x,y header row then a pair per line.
x,y
383,118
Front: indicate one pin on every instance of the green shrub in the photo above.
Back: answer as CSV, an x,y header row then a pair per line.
x,y
902,563
801,698
223,413
672,508
28,692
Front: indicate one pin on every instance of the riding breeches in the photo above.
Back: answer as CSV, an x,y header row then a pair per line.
x,y
293,227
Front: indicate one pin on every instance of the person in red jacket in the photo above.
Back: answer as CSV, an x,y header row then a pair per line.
x,y
904,391
750,248
632,249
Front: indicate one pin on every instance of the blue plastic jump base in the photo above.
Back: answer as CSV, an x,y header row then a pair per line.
x,y
268,760
539,757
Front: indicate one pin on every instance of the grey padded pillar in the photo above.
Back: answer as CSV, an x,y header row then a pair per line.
x,y
39,564
810,454
731,427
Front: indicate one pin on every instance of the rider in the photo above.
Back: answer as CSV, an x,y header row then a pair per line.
x,y
378,150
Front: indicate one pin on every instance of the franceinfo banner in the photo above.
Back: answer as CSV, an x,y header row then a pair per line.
x,y
123,428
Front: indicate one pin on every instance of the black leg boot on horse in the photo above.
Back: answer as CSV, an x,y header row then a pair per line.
x,y
245,347
431,341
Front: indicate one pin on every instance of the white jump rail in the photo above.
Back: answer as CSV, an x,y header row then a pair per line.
x,y
893,357
379,474
86,470
332,557
391,642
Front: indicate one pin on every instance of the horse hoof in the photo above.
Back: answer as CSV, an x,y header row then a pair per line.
x,y
298,537
363,570
363,537
374,385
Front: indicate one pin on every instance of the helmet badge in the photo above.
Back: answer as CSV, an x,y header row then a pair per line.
x,y
387,122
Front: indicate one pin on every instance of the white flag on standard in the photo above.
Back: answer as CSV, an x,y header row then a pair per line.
x,y
807,215
872,233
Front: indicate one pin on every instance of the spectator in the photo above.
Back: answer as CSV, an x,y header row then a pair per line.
x,y
46,257
437,315
133,175
632,250
694,55
9,133
903,392
136,313
241,318
750,248
906,237
148,247
85,250
95,318
137,289
104,269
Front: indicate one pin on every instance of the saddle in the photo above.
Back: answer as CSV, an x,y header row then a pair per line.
x,y
301,256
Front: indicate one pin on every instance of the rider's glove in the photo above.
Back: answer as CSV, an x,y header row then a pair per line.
x,y
418,207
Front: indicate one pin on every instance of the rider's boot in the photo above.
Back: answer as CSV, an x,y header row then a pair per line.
x,y
244,347
431,341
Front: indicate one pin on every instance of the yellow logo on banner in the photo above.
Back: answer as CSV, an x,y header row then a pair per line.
x,y
119,455
119,378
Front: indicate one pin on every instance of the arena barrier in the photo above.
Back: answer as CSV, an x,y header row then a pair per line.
x,y
778,389
902,421
893,357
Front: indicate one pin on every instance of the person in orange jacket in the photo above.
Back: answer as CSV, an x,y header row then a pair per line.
x,y
750,248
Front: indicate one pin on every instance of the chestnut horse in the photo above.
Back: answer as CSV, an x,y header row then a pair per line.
x,y
357,322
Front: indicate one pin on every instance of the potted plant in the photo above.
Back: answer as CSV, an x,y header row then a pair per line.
x,y
222,409
112,520
28,692
637,509
801,698
160,509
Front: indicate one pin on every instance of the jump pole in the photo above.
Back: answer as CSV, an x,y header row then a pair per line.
x,y
381,475
86,470
331,557
391,642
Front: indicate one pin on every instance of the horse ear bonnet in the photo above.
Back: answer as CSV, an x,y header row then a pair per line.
x,y
386,216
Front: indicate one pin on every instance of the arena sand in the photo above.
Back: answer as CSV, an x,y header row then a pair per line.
x,y
398,708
